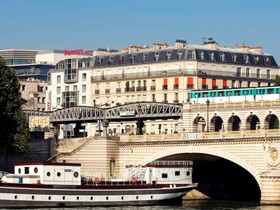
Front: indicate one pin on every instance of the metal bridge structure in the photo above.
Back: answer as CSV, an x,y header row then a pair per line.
x,y
144,110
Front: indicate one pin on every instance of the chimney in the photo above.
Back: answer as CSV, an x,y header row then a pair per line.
x,y
256,49
158,46
211,43
180,43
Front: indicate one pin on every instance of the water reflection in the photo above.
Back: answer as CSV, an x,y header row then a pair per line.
x,y
187,205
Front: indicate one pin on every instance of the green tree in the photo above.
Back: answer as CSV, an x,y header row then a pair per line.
x,y
277,82
14,133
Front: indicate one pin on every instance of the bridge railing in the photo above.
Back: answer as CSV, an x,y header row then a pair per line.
x,y
201,135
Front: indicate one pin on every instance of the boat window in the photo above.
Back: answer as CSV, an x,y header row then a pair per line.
x,y
177,173
35,170
76,174
164,176
188,173
19,171
58,174
26,170
49,173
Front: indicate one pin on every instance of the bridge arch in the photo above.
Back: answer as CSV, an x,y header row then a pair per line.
x,y
208,151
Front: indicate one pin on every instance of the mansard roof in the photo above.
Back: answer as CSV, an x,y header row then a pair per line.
x,y
183,54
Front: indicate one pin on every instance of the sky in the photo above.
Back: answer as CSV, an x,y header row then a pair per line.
x,y
92,24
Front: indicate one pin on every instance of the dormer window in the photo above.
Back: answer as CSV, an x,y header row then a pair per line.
x,y
202,55
212,56
257,60
156,56
246,59
267,60
168,55
223,57
234,58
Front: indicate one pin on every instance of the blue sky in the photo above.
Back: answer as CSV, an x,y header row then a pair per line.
x,y
90,24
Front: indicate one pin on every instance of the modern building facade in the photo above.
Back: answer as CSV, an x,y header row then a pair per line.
x,y
161,74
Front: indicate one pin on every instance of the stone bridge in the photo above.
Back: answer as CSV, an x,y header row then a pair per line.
x,y
229,165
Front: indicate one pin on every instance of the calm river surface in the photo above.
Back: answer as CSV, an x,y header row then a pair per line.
x,y
190,205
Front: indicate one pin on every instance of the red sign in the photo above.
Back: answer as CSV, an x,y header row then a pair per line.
x,y
78,52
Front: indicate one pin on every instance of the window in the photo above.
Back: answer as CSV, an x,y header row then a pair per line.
x,y
223,57
75,87
70,99
84,88
153,97
23,87
268,74
43,100
202,55
58,79
164,176
58,90
26,170
66,88
84,77
84,99
165,98
58,101
258,73
190,55
238,72
247,72
70,71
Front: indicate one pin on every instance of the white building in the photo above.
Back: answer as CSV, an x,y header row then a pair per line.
x,y
162,73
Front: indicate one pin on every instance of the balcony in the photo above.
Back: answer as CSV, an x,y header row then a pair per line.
x,y
107,91
190,86
175,87
140,88
118,90
175,101
153,87
205,87
181,72
97,91
164,87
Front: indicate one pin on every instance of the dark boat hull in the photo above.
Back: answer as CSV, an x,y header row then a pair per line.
x,y
39,197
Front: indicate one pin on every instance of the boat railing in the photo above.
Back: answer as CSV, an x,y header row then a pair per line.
x,y
170,163
108,181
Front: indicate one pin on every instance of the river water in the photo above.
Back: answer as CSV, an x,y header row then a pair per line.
x,y
189,205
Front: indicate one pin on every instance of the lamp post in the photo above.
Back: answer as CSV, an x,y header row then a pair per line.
x,y
207,106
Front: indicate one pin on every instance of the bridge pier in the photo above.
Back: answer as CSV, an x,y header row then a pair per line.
x,y
270,189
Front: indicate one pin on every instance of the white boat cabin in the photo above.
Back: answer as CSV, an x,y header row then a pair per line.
x,y
162,172
45,173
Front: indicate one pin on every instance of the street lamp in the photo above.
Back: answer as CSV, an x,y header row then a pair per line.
x,y
207,106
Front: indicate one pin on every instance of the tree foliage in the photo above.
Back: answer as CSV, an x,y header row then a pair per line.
x,y
14,134
277,82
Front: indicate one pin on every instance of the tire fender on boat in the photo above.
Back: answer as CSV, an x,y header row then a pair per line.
x,y
96,180
133,179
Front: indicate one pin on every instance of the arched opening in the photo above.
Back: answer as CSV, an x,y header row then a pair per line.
x,y
234,123
199,124
271,122
221,179
217,123
252,122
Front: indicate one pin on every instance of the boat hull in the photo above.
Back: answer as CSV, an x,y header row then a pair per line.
x,y
38,197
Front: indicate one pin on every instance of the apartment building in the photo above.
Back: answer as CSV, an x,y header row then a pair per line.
x,y
161,73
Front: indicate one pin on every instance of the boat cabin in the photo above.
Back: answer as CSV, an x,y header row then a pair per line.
x,y
45,173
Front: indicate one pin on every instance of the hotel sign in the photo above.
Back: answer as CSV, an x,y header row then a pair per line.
x,y
78,52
